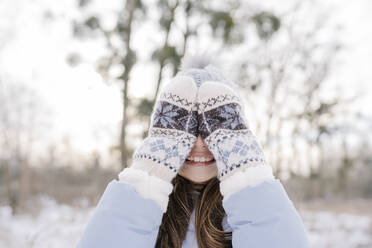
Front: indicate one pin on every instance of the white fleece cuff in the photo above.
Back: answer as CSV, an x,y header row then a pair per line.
x,y
149,187
250,176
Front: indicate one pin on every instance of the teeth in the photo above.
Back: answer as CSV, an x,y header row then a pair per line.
x,y
199,159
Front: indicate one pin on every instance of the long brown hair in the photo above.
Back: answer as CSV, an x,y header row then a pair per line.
x,y
209,214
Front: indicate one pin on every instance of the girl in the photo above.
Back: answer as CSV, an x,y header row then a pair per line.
x,y
199,179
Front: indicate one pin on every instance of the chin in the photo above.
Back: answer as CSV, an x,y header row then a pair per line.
x,y
200,180
198,174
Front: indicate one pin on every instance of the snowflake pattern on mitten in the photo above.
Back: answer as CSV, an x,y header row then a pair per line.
x,y
224,128
224,117
172,131
169,116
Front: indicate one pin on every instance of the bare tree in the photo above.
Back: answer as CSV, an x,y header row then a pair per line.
x,y
285,76
22,119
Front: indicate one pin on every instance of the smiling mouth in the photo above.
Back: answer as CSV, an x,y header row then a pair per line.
x,y
200,161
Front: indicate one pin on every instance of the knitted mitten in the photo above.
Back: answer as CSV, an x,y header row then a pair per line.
x,y
224,128
172,134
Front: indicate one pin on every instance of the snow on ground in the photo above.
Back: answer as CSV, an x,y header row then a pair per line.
x,y
59,226
56,226
327,230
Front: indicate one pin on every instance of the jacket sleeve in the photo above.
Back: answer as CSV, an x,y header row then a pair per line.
x,y
263,216
122,218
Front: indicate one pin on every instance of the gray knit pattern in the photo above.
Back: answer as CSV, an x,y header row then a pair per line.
x,y
208,73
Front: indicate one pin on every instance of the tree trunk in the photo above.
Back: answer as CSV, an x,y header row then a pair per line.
x,y
128,64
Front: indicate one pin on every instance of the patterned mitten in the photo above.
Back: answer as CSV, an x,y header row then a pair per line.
x,y
240,159
172,134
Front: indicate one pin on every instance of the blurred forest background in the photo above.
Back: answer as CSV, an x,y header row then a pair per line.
x,y
310,115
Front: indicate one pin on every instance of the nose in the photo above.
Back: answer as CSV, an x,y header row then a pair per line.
x,y
200,144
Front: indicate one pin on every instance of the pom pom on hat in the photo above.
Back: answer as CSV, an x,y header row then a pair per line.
x,y
203,67
198,61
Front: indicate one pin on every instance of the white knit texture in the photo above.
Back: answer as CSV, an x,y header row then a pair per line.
x,y
250,176
149,187
180,91
214,94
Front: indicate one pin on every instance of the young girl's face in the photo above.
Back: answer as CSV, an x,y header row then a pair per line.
x,y
200,164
